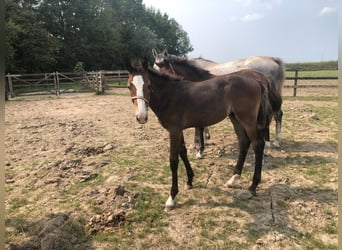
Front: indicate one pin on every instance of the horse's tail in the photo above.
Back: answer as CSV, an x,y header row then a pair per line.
x,y
265,107
274,98
280,77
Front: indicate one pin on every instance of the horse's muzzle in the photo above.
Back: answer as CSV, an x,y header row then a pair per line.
x,y
141,118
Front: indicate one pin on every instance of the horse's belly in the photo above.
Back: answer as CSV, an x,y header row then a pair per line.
x,y
203,118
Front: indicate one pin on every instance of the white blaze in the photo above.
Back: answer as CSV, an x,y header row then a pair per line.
x,y
141,113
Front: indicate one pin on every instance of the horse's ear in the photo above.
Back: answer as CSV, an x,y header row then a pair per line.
x,y
154,53
166,54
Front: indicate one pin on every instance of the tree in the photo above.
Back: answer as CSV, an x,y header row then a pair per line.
x,y
50,35
174,38
26,40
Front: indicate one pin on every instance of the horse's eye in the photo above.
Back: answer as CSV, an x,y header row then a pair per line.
x,y
129,87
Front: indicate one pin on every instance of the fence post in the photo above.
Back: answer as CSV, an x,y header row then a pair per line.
x,y
295,83
102,82
119,77
10,84
58,92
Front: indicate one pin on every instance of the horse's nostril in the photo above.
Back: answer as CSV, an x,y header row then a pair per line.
x,y
141,120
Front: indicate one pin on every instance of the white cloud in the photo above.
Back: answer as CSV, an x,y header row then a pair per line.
x,y
252,17
325,11
268,4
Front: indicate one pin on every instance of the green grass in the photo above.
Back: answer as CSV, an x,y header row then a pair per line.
x,y
117,84
18,202
313,65
313,69
316,73
78,87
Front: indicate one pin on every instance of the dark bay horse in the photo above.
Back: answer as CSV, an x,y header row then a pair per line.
x,y
166,67
273,68
182,104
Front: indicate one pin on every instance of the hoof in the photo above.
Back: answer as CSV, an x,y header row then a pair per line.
x,y
267,148
232,180
199,155
252,192
187,186
276,143
169,204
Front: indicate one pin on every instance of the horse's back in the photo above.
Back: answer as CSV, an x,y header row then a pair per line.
x,y
271,67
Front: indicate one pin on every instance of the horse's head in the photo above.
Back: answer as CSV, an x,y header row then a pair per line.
x,y
160,59
138,85
162,63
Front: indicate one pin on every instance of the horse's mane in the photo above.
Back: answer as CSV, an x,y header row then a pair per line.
x,y
167,77
183,61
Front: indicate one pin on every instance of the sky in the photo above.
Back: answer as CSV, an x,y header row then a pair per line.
x,y
226,30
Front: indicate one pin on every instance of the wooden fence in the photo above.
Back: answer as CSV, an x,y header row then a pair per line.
x,y
296,78
66,82
62,82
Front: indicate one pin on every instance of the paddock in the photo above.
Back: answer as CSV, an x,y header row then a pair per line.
x,y
81,173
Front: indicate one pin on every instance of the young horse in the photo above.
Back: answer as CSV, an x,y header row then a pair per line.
x,y
179,105
162,65
273,68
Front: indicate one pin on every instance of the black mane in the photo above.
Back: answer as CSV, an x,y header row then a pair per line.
x,y
184,62
166,77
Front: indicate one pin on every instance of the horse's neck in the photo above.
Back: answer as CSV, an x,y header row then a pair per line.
x,y
159,92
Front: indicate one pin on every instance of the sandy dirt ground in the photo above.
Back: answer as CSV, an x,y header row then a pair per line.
x,y
54,143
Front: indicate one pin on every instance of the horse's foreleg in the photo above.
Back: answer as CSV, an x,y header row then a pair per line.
x,y
244,143
170,203
184,156
278,117
174,147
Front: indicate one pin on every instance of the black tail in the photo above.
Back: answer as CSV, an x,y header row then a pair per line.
x,y
275,99
265,109
271,102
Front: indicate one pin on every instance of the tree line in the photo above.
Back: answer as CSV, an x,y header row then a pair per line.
x,y
65,35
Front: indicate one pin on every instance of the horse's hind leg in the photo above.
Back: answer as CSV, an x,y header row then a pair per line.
x,y
244,143
199,154
267,140
206,133
184,156
278,117
258,146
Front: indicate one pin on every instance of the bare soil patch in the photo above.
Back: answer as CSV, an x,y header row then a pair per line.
x,y
82,174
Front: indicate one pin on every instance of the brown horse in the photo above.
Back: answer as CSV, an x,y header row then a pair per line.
x,y
182,104
200,69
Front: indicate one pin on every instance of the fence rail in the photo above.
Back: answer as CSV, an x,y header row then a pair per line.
x,y
65,82
62,82
296,78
